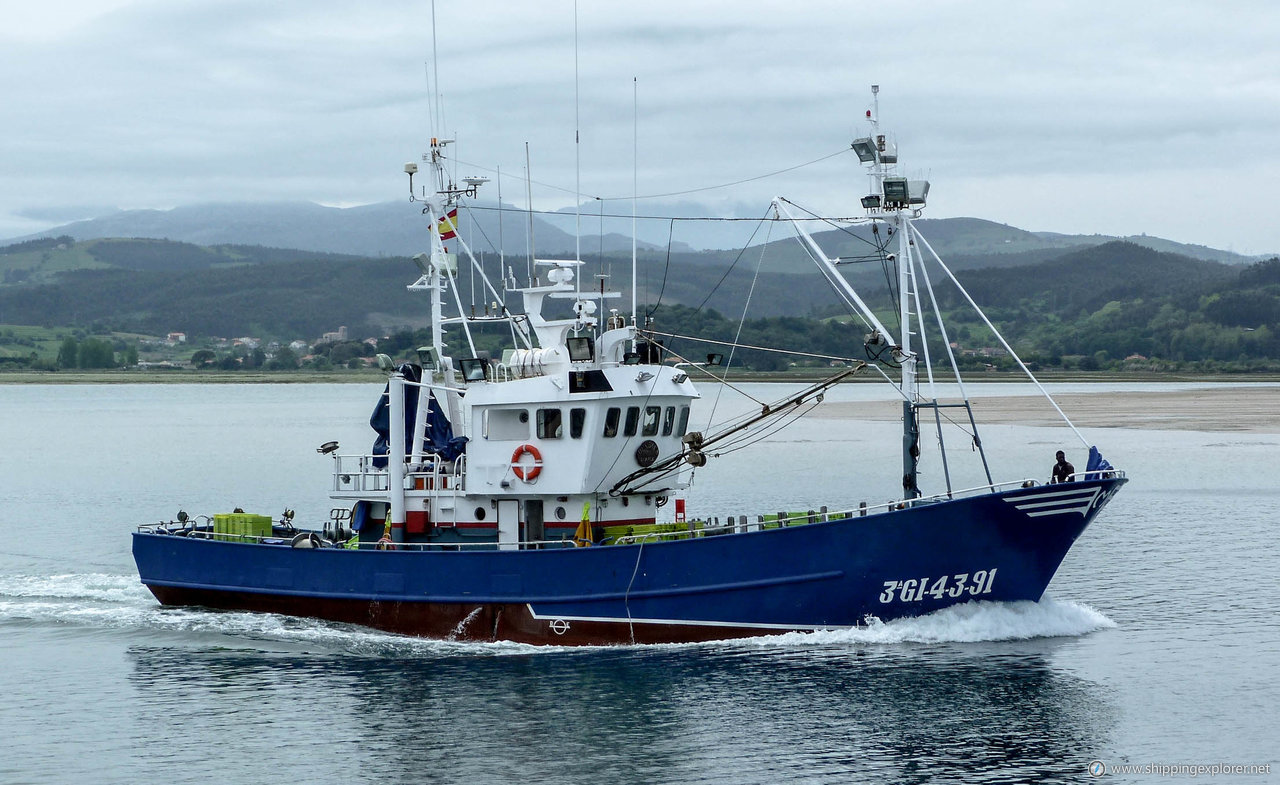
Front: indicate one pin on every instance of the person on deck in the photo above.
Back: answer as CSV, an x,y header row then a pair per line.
x,y
1062,470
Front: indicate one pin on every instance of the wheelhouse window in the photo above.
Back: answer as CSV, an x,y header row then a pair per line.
x,y
633,421
651,416
549,425
577,418
668,420
683,427
611,419
506,424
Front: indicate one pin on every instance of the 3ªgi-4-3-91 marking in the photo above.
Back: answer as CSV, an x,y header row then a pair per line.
x,y
953,586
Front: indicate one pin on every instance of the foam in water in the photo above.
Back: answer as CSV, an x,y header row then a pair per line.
x,y
92,586
121,602
971,622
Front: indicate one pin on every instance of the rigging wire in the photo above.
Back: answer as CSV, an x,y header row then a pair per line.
x,y
748,438
732,265
677,193
466,207
822,270
880,249
831,222
783,421
691,363
649,312
773,349
738,335
703,218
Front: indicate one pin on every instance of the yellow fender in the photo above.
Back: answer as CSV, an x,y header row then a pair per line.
x,y
582,537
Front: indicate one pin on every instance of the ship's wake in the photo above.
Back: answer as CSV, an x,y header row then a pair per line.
x,y
120,602
971,622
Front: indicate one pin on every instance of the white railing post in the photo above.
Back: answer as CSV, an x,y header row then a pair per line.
x,y
395,457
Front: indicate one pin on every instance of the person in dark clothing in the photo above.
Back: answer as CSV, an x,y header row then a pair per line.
x,y
1062,470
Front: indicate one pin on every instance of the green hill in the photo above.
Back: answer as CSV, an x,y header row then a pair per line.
x,y
1091,277
44,260
1074,306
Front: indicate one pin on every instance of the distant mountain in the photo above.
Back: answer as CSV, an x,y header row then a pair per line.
x,y
1089,278
158,286
974,238
45,260
1156,244
386,229
684,226
397,228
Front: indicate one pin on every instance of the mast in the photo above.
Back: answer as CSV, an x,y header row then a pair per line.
x,y
892,196
577,157
896,201
635,184
437,209
910,425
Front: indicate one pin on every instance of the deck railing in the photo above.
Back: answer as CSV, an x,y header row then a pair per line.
x,y
740,523
202,527
357,474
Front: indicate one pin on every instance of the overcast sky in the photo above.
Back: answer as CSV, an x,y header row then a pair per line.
x,y
1112,117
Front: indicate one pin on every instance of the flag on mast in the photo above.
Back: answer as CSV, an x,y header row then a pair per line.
x,y
448,225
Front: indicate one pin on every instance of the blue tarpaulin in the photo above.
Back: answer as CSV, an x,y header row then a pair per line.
x,y
439,439
1096,462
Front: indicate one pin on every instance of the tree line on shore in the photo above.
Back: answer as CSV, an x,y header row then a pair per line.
x,y
1110,307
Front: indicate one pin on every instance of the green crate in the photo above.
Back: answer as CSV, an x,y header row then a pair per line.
x,y
241,526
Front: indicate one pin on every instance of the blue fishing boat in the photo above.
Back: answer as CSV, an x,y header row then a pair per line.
x,y
522,498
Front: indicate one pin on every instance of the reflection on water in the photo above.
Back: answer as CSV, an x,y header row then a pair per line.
x,y
723,713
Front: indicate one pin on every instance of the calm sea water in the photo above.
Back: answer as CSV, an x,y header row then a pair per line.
x,y
1159,641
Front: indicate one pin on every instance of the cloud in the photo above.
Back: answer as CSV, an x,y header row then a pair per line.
x,y
1150,109
64,213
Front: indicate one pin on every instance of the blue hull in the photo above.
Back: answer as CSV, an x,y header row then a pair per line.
x,y
999,546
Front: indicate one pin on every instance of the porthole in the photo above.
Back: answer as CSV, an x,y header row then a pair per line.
x,y
560,513
480,513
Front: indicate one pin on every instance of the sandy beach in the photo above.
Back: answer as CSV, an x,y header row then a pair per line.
x,y
1242,409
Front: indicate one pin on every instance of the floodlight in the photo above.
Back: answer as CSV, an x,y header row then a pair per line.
x,y
896,190
473,369
581,349
429,357
865,149
917,191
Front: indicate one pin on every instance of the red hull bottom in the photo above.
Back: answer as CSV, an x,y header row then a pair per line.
x,y
457,622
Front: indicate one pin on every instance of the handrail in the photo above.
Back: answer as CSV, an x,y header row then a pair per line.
x,y
365,477
205,530
805,517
